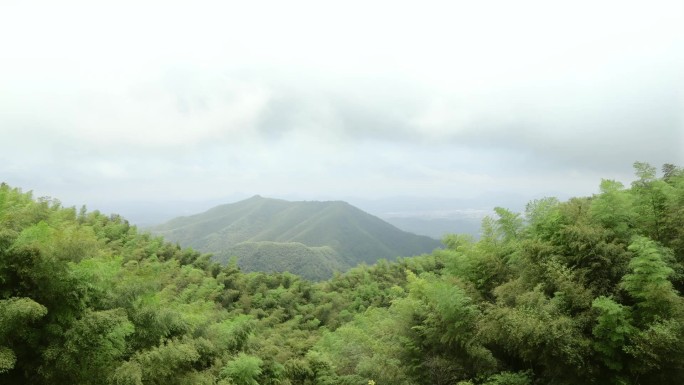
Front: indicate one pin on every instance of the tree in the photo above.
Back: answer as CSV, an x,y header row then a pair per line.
x,y
612,331
651,197
648,282
16,317
93,347
613,208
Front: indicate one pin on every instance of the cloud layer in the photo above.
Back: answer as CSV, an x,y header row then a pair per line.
x,y
162,101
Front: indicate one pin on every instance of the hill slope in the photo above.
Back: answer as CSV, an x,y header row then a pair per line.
x,y
313,239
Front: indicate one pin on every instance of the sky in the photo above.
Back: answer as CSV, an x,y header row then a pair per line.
x,y
153,102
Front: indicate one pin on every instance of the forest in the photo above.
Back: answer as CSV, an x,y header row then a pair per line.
x,y
583,291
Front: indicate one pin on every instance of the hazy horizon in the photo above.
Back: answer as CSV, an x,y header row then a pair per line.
x,y
129,105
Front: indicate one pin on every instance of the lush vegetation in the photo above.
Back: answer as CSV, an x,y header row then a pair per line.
x,y
310,239
585,291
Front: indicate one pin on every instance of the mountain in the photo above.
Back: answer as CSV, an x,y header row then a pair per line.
x,y
309,238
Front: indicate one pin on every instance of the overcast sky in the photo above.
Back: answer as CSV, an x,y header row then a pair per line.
x,y
199,100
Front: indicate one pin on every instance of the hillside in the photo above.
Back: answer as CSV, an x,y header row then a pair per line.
x,y
310,238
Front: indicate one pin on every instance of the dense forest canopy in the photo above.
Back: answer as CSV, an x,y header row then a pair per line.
x,y
586,291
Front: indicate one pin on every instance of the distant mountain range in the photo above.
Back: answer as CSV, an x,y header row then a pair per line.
x,y
309,238
437,227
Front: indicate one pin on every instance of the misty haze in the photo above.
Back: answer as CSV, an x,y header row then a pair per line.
x,y
308,192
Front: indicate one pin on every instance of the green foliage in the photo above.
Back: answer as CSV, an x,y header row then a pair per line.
x,y
7,359
368,347
451,313
310,262
651,197
17,313
91,347
509,224
243,369
231,334
129,373
535,331
648,281
508,378
543,217
586,291
161,364
613,330
657,350
442,339
17,328
613,209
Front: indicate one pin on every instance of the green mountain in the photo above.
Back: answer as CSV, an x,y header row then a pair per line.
x,y
310,238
